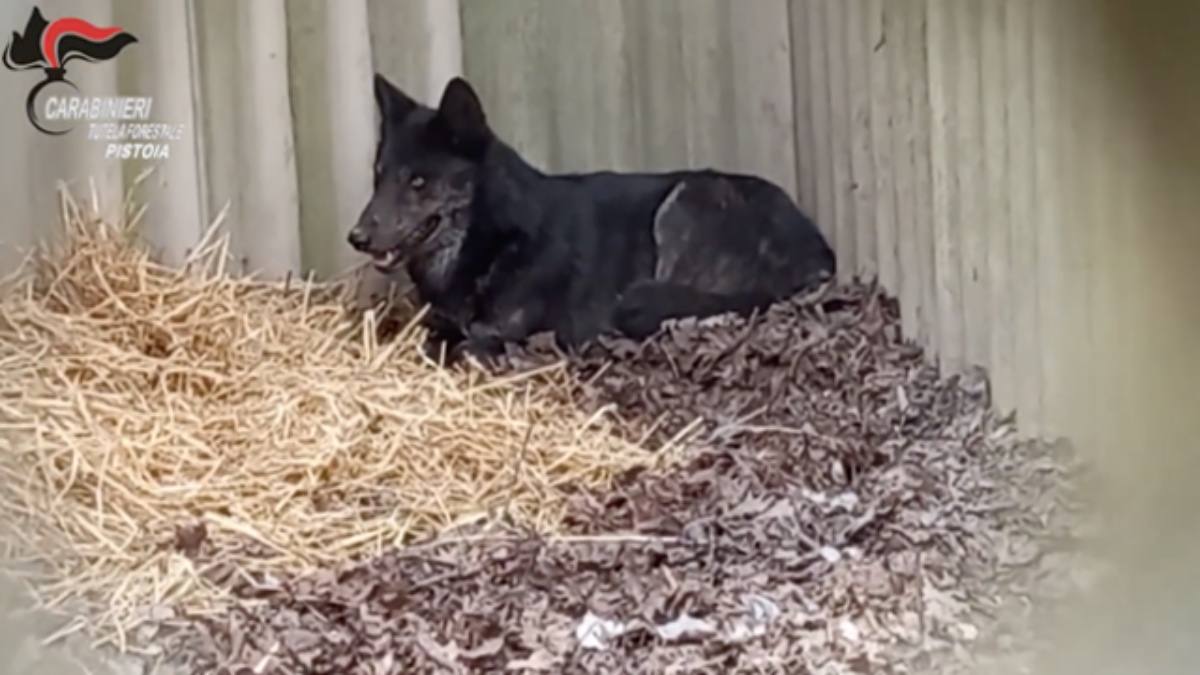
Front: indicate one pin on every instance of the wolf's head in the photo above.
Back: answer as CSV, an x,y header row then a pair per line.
x,y
425,164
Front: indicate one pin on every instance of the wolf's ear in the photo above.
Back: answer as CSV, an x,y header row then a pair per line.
x,y
460,118
394,105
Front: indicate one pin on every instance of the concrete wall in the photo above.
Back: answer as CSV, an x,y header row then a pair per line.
x,y
929,138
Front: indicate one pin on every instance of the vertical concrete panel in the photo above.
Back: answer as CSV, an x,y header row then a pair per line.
x,y
861,188
1089,83
995,225
417,44
1122,300
924,206
351,133
173,194
705,88
502,48
219,112
803,106
970,217
654,43
822,154
1048,131
248,133
877,42
313,109
840,137
760,48
944,62
271,210
1019,64
911,168
444,54
1081,165
333,104
588,124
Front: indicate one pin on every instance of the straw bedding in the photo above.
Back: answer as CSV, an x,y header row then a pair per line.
x,y
167,431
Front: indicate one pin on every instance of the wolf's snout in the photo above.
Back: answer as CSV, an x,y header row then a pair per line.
x,y
359,239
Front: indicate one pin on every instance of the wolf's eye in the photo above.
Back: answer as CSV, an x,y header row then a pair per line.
x,y
417,182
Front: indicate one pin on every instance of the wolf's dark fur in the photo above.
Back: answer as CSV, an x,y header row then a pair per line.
x,y
502,250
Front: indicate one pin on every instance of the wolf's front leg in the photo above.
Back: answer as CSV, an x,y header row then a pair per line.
x,y
520,297
486,340
444,335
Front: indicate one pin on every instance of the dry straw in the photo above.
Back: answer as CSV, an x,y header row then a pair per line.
x,y
138,398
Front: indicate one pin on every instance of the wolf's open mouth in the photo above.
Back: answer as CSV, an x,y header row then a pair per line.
x,y
387,261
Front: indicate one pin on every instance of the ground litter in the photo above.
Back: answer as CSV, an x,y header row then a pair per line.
x,y
844,509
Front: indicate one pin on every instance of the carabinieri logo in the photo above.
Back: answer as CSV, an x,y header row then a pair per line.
x,y
50,46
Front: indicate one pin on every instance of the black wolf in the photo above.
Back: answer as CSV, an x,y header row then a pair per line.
x,y
502,250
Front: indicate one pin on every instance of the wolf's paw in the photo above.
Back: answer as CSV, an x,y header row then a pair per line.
x,y
482,344
441,350
639,314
